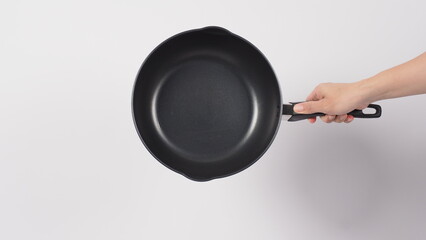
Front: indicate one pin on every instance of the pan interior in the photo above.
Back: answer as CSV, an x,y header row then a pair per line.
x,y
204,109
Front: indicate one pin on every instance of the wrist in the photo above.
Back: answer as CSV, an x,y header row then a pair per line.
x,y
370,89
366,91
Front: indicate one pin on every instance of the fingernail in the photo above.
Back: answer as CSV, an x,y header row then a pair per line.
x,y
298,108
349,119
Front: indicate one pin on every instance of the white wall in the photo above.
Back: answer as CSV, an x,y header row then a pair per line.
x,y
73,167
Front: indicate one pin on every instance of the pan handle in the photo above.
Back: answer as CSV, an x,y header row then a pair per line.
x,y
288,110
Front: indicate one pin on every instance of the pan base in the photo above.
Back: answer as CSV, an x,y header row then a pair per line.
x,y
204,109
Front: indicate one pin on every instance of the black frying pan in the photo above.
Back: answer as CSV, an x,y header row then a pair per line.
x,y
207,104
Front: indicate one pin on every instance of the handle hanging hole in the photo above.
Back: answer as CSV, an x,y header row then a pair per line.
x,y
370,111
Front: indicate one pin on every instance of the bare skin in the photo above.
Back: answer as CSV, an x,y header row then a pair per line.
x,y
337,99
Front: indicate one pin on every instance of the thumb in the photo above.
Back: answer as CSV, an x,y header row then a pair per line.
x,y
309,107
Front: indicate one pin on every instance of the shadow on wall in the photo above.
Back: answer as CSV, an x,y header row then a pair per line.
x,y
365,179
342,184
338,179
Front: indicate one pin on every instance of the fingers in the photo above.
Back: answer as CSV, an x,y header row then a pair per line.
x,y
344,118
338,119
328,118
349,119
309,107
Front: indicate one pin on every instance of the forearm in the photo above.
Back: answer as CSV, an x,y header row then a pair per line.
x,y
403,80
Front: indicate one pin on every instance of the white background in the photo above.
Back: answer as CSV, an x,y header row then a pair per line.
x,y
72,165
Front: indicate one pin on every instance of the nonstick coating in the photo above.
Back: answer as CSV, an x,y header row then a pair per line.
x,y
206,103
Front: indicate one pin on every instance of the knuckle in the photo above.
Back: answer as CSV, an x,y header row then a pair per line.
x,y
319,87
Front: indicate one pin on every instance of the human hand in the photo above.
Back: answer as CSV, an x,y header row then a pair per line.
x,y
335,100
338,99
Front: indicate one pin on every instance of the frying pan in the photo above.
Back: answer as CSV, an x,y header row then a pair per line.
x,y
206,104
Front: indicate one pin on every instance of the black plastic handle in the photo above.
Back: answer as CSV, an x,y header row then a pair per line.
x,y
288,110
